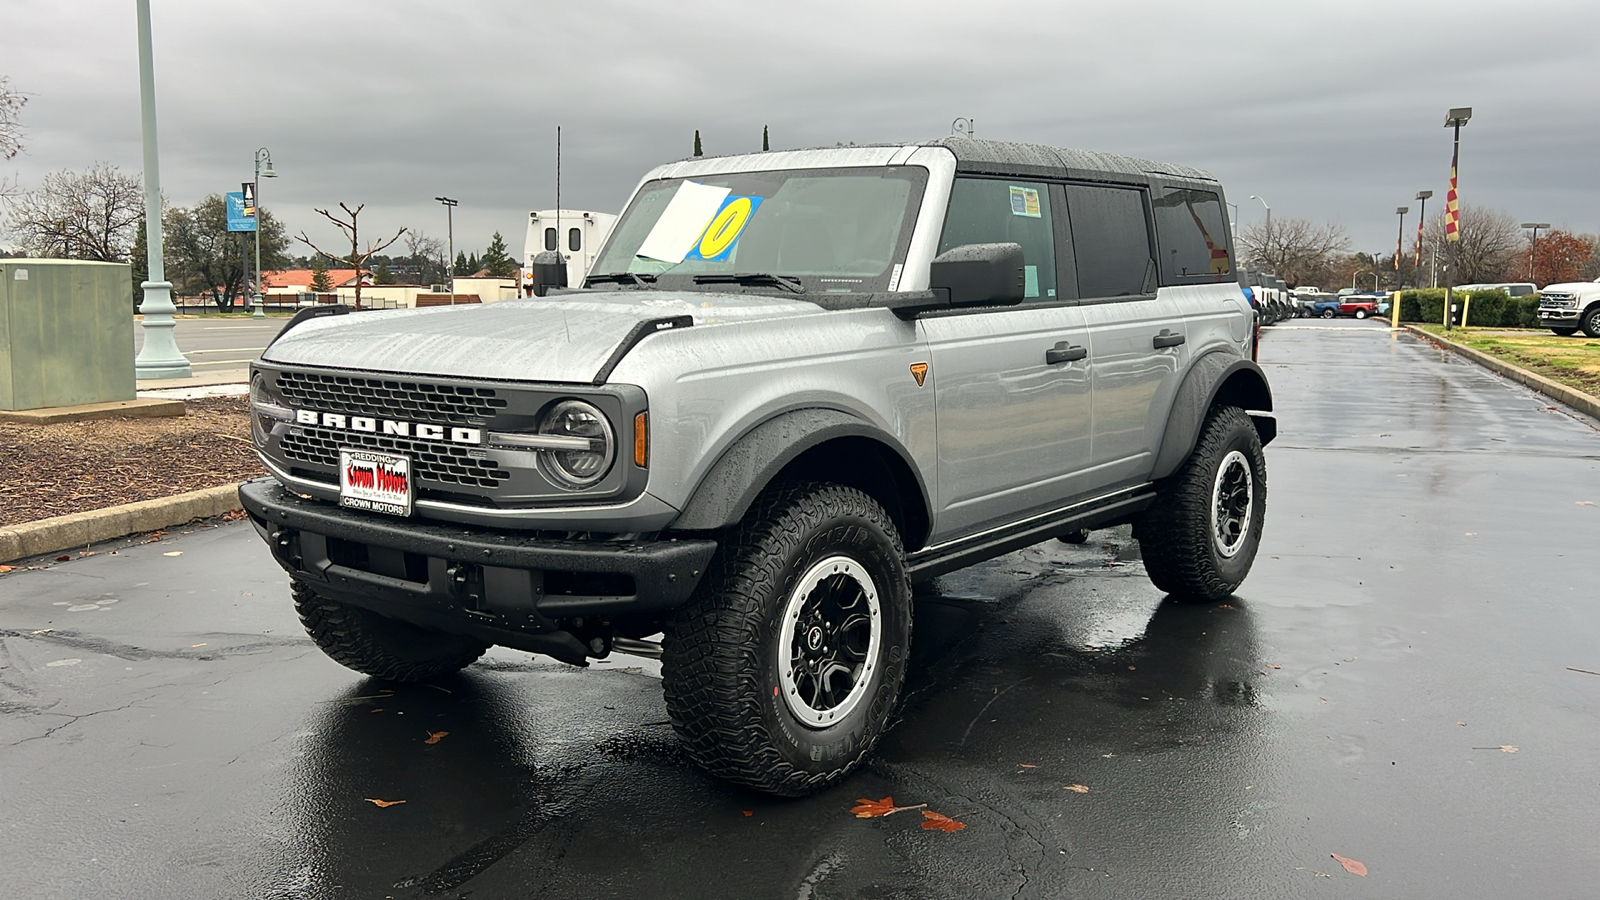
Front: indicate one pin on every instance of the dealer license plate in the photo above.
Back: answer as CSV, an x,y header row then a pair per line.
x,y
373,481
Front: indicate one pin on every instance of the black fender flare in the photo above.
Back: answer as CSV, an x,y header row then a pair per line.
x,y
1216,375
746,468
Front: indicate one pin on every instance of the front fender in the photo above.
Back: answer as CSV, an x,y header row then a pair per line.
x,y
1213,377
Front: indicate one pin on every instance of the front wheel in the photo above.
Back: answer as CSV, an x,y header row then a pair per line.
x,y
1361,314
379,646
1200,536
1591,323
782,671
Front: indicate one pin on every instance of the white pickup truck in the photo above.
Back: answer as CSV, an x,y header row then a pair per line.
x,y
1566,308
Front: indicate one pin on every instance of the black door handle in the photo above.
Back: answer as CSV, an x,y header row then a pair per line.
x,y
1167,339
1064,352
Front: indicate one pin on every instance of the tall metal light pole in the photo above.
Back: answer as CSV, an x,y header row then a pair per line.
x,y
450,231
1533,255
1422,216
1235,223
1455,118
1268,208
159,357
1399,242
261,294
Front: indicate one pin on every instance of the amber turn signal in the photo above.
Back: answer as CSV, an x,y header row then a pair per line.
x,y
641,440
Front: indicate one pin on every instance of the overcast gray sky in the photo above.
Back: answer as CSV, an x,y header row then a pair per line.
x,y
1327,110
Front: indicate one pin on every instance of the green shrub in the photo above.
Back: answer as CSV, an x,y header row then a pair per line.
x,y
1488,309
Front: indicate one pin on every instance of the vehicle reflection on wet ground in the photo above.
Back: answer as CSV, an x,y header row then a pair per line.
x,y
1414,611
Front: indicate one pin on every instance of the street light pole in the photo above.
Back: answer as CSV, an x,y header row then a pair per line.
x,y
159,357
450,232
1399,242
261,295
1235,223
1533,255
1454,119
1268,208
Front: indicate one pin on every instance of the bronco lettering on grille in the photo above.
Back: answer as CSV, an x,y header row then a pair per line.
x,y
453,435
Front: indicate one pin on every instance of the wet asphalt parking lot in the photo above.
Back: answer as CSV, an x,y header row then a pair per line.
x,y
1395,683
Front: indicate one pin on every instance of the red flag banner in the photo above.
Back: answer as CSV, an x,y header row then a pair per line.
x,y
1452,206
1418,263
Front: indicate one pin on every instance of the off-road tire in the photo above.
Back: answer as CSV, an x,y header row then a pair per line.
x,y
1564,332
1080,536
377,645
720,666
1591,322
1176,534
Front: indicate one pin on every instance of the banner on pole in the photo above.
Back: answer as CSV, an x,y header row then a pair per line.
x,y
1452,206
239,218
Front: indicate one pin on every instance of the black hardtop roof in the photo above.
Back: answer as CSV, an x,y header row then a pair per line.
x,y
1039,160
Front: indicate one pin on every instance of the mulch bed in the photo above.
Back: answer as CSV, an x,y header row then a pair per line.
x,y
52,470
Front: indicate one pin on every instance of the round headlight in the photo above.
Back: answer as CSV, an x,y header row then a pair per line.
x,y
578,468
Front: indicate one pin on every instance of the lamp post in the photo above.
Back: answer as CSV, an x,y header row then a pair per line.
x,y
159,357
1533,255
450,232
1235,223
1399,242
1268,208
1422,216
261,294
1454,119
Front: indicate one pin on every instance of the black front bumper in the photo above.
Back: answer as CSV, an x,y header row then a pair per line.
x,y
509,588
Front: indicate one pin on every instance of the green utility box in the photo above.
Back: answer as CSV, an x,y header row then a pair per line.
x,y
66,333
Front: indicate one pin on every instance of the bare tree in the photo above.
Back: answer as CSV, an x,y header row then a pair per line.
x,y
1490,249
358,257
11,103
1295,250
71,216
426,255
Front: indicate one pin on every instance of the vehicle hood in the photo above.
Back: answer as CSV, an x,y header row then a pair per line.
x,y
560,338
1581,288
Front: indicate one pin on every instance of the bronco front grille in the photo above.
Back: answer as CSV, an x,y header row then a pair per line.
x,y
440,463
411,400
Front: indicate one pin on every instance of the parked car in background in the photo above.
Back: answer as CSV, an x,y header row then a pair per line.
x,y
1565,308
1359,305
1512,288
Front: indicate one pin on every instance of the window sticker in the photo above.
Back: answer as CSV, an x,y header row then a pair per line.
x,y
683,222
717,241
1025,202
1030,279
894,277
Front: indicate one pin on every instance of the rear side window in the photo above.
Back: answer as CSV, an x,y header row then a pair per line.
x,y
996,211
1111,239
1194,242
549,238
574,240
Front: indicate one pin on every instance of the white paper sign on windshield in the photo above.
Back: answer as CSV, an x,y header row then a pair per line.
x,y
682,222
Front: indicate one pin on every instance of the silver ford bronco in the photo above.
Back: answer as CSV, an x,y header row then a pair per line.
x,y
792,385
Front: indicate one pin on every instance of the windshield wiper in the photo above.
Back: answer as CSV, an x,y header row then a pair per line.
x,y
642,280
786,282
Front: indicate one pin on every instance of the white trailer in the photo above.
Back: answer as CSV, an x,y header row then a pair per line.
x,y
576,233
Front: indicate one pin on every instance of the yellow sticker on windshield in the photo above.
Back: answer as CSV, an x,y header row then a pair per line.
x,y
716,242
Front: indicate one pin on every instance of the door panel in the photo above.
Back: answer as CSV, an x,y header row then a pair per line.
x,y
1013,431
1133,383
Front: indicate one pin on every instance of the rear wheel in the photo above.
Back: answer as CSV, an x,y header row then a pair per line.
x,y
377,645
1361,314
782,671
1200,537
1327,314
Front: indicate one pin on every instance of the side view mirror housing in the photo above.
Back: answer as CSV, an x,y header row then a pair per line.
x,y
979,275
549,271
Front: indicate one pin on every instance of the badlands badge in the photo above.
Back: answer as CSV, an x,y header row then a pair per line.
x,y
377,482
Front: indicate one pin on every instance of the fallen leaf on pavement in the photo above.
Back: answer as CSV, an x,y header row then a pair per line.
x,y
1353,866
1026,766
383,804
83,553
1274,666
1585,502
871,809
1503,748
192,646
1077,788
62,558
4,569
1462,724
173,553
749,812
939,822
435,737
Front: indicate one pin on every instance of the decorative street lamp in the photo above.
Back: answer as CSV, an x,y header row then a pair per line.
x,y
450,231
1533,255
1268,208
159,357
1422,216
1399,242
261,292
1455,118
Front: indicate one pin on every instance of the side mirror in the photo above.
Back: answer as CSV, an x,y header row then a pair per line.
x,y
549,271
979,274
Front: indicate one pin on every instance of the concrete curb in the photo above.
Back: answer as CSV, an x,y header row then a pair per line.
x,y
77,530
1587,404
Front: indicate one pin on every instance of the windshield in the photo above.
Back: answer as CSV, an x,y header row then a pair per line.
x,y
831,230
